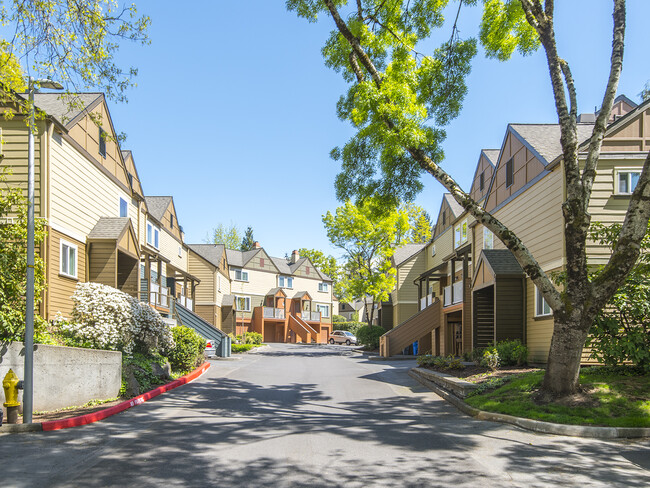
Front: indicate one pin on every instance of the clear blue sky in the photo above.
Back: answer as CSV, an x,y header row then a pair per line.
x,y
234,113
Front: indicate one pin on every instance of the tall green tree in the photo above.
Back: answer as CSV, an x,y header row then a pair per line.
x,y
228,236
399,101
248,241
13,263
368,234
327,264
420,224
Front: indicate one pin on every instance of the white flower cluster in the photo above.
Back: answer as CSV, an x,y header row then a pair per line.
x,y
111,319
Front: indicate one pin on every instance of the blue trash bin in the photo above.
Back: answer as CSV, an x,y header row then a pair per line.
x,y
415,348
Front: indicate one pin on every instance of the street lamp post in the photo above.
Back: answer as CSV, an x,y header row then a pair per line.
x,y
28,384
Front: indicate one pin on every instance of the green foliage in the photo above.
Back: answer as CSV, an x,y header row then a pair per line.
x,y
420,224
337,319
621,331
228,236
394,112
188,349
74,43
645,93
350,326
367,233
140,364
440,362
327,264
253,338
369,335
504,28
491,359
236,348
13,264
508,353
248,241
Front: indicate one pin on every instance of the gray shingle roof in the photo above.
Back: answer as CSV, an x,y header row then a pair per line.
x,y
456,209
109,228
545,138
492,155
210,252
58,106
227,301
273,291
403,253
282,265
157,206
240,258
502,262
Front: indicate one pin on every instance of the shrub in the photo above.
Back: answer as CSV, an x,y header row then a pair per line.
x,y
369,335
440,362
338,318
106,318
491,359
350,326
253,338
235,348
510,353
140,365
188,349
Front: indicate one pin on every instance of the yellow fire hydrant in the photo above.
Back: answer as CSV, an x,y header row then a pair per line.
x,y
10,385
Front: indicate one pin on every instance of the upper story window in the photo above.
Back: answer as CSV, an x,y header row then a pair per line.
x,y
323,287
243,304
285,282
488,238
324,310
241,275
460,233
481,181
102,142
68,258
153,235
444,217
626,180
124,208
433,250
541,307
510,172
171,221
180,252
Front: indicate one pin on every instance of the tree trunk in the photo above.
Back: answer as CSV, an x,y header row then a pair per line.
x,y
563,368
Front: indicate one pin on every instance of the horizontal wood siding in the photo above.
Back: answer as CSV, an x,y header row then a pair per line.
x,y
102,265
60,288
444,247
406,273
204,292
538,331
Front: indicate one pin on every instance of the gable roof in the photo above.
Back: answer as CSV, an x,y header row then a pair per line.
x,y
240,258
502,262
109,228
57,105
455,207
282,265
492,155
544,139
405,252
157,206
210,252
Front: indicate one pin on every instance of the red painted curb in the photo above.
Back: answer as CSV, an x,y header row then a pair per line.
x,y
107,412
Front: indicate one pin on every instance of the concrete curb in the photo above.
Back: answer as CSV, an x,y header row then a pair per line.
x,y
392,358
107,412
533,425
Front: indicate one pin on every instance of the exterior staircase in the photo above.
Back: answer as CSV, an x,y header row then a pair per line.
x,y
186,317
302,329
416,328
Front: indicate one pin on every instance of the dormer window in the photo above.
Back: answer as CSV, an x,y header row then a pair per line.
x,y
102,142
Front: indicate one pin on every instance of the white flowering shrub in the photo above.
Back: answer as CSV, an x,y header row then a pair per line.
x,y
106,318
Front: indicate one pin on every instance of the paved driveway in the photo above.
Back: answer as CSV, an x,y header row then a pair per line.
x,y
297,415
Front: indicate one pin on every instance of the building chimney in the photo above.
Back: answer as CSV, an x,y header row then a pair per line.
x,y
295,256
257,245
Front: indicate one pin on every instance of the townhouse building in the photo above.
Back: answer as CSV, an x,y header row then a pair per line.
x,y
473,292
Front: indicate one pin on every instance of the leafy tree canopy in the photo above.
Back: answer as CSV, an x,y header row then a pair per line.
x,y
229,236
327,264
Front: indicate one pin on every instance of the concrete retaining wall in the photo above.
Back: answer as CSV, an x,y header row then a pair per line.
x,y
65,376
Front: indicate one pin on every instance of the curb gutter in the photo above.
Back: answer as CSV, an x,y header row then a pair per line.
x,y
107,412
533,425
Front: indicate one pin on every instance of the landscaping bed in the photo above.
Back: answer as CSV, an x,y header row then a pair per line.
x,y
480,374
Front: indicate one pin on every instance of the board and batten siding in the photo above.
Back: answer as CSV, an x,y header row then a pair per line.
x,y
444,247
80,193
222,285
60,288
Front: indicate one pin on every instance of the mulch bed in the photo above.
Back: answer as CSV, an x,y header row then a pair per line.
x,y
479,374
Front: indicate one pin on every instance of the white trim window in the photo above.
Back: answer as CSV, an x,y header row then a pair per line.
x,y
626,180
460,233
180,251
241,275
153,235
285,281
242,304
324,310
433,250
488,238
124,208
542,309
323,287
68,259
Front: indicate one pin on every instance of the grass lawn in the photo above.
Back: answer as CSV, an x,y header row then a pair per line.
x,y
614,397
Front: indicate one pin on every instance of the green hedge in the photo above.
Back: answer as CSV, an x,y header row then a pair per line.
x,y
349,326
188,351
369,335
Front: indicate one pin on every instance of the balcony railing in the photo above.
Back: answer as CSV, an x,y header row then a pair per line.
x,y
315,316
186,302
159,296
457,292
273,313
427,301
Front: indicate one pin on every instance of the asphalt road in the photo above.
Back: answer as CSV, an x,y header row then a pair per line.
x,y
295,415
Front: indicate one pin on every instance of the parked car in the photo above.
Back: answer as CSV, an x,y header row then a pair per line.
x,y
210,349
343,337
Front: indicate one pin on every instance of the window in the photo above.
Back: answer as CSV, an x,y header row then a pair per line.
x,y
626,181
322,286
153,235
218,282
481,181
510,175
102,142
488,238
285,282
243,304
124,208
444,217
460,233
171,221
241,275
180,252
324,310
68,259
541,307
306,269
433,250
